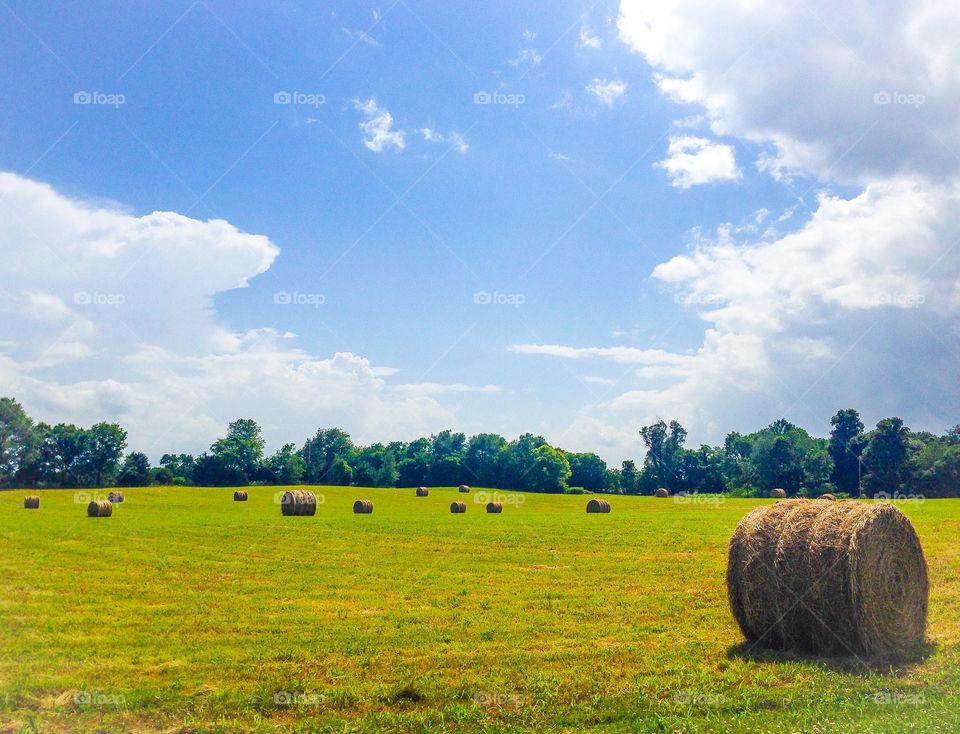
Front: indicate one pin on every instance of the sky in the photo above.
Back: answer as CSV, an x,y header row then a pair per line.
x,y
402,217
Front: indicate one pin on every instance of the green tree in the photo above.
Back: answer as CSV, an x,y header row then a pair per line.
x,y
18,441
286,466
664,450
61,455
240,453
886,456
340,473
320,452
486,455
846,447
629,478
521,460
103,445
588,471
550,471
135,471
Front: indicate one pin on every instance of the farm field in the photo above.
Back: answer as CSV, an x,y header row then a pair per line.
x,y
188,612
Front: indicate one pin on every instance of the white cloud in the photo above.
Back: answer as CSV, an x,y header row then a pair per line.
x,y
622,355
109,316
455,139
692,161
588,39
607,91
528,57
377,127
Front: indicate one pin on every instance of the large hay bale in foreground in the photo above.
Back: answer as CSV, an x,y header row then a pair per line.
x,y
494,508
240,495
422,491
464,488
298,503
362,507
778,494
31,502
115,498
662,492
597,505
100,508
458,508
829,578
827,496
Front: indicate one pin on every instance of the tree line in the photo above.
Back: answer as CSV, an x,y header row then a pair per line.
x,y
889,459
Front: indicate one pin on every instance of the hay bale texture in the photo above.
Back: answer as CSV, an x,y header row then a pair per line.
x,y
363,507
827,496
662,492
458,508
494,508
464,488
596,505
115,498
31,502
844,578
778,493
298,503
240,495
100,508
422,491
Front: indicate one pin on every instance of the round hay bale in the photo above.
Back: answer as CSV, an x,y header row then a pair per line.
x,y
778,494
829,578
115,498
494,508
827,496
458,508
422,491
100,508
464,488
240,495
362,507
662,492
31,502
597,505
298,503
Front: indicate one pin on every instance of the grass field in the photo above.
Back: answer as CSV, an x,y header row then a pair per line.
x,y
187,612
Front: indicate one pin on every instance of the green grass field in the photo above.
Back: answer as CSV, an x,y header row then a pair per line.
x,y
187,612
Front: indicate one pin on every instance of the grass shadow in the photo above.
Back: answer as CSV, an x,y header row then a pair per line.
x,y
852,665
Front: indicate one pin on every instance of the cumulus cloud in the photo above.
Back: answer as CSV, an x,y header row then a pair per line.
x,y
588,39
107,315
377,127
692,161
455,139
607,91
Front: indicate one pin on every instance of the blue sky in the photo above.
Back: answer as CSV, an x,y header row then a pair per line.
x,y
597,202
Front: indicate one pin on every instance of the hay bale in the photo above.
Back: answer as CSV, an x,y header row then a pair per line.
x,y
494,508
597,505
31,502
240,495
662,492
100,508
829,578
298,503
458,508
778,494
363,507
115,498
464,488
827,496
422,491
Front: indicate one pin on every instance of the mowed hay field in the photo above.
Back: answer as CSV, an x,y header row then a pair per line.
x,y
188,612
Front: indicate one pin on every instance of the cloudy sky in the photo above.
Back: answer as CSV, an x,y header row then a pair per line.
x,y
402,217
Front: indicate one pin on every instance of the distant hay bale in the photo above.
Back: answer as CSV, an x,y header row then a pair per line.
x,y
422,491
464,488
31,502
494,508
362,507
778,494
298,503
100,508
458,508
662,492
827,578
597,505
827,496
240,495
115,498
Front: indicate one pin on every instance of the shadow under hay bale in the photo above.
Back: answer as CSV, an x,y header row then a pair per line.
x,y
362,507
115,498
458,508
31,502
662,492
596,505
298,503
778,493
100,508
494,508
240,496
826,578
422,491
464,488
